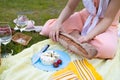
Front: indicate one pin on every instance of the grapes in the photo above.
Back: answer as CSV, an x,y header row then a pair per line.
x,y
57,63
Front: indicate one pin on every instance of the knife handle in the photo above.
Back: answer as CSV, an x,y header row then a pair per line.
x,y
45,48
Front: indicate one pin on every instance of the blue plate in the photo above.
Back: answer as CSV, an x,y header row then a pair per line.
x,y
63,56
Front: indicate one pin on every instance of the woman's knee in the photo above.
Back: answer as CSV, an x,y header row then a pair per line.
x,y
106,51
47,27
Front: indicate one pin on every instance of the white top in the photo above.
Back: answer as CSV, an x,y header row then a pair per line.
x,y
95,14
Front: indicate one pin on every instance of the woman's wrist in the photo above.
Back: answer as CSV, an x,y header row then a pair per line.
x,y
90,36
59,22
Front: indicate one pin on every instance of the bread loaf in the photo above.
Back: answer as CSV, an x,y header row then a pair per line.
x,y
82,49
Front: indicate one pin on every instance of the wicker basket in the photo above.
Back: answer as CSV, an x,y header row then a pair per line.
x,y
21,38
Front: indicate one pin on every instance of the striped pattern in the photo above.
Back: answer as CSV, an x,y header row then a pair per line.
x,y
77,70
68,75
83,70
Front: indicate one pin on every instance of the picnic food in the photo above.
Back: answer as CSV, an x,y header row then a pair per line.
x,y
49,57
73,44
57,63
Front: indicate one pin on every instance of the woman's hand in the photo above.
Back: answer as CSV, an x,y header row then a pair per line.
x,y
84,39
54,33
64,15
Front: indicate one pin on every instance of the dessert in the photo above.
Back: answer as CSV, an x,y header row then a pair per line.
x,y
49,57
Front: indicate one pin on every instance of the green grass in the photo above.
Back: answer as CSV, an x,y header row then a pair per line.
x,y
38,10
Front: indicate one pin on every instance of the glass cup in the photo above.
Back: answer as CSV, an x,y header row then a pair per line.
x,y
21,22
5,35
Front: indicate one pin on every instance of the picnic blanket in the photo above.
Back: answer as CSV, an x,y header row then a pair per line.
x,y
19,67
77,70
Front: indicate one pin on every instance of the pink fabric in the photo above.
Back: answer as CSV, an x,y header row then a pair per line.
x,y
75,22
105,43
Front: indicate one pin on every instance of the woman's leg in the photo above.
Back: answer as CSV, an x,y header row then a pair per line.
x,y
106,43
75,22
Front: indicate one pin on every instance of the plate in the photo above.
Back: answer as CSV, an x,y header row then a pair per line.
x,y
63,56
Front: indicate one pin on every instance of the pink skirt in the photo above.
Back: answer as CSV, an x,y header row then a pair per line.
x,y
105,43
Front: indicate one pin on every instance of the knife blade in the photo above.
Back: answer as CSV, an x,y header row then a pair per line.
x,y
37,57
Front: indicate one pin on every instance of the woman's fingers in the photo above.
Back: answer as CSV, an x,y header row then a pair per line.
x,y
83,39
54,35
57,35
50,35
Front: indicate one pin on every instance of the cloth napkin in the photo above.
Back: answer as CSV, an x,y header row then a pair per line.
x,y
30,24
34,28
77,70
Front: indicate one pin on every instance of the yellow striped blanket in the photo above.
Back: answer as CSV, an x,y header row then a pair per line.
x,y
77,70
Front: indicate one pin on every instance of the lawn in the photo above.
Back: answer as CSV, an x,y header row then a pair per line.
x,y
39,11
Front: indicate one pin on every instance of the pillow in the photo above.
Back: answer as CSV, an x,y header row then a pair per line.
x,y
82,49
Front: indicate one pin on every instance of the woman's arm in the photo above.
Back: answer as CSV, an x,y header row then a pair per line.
x,y
65,14
68,10
109,16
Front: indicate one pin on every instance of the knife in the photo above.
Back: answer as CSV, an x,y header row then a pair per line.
x,y
37,57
